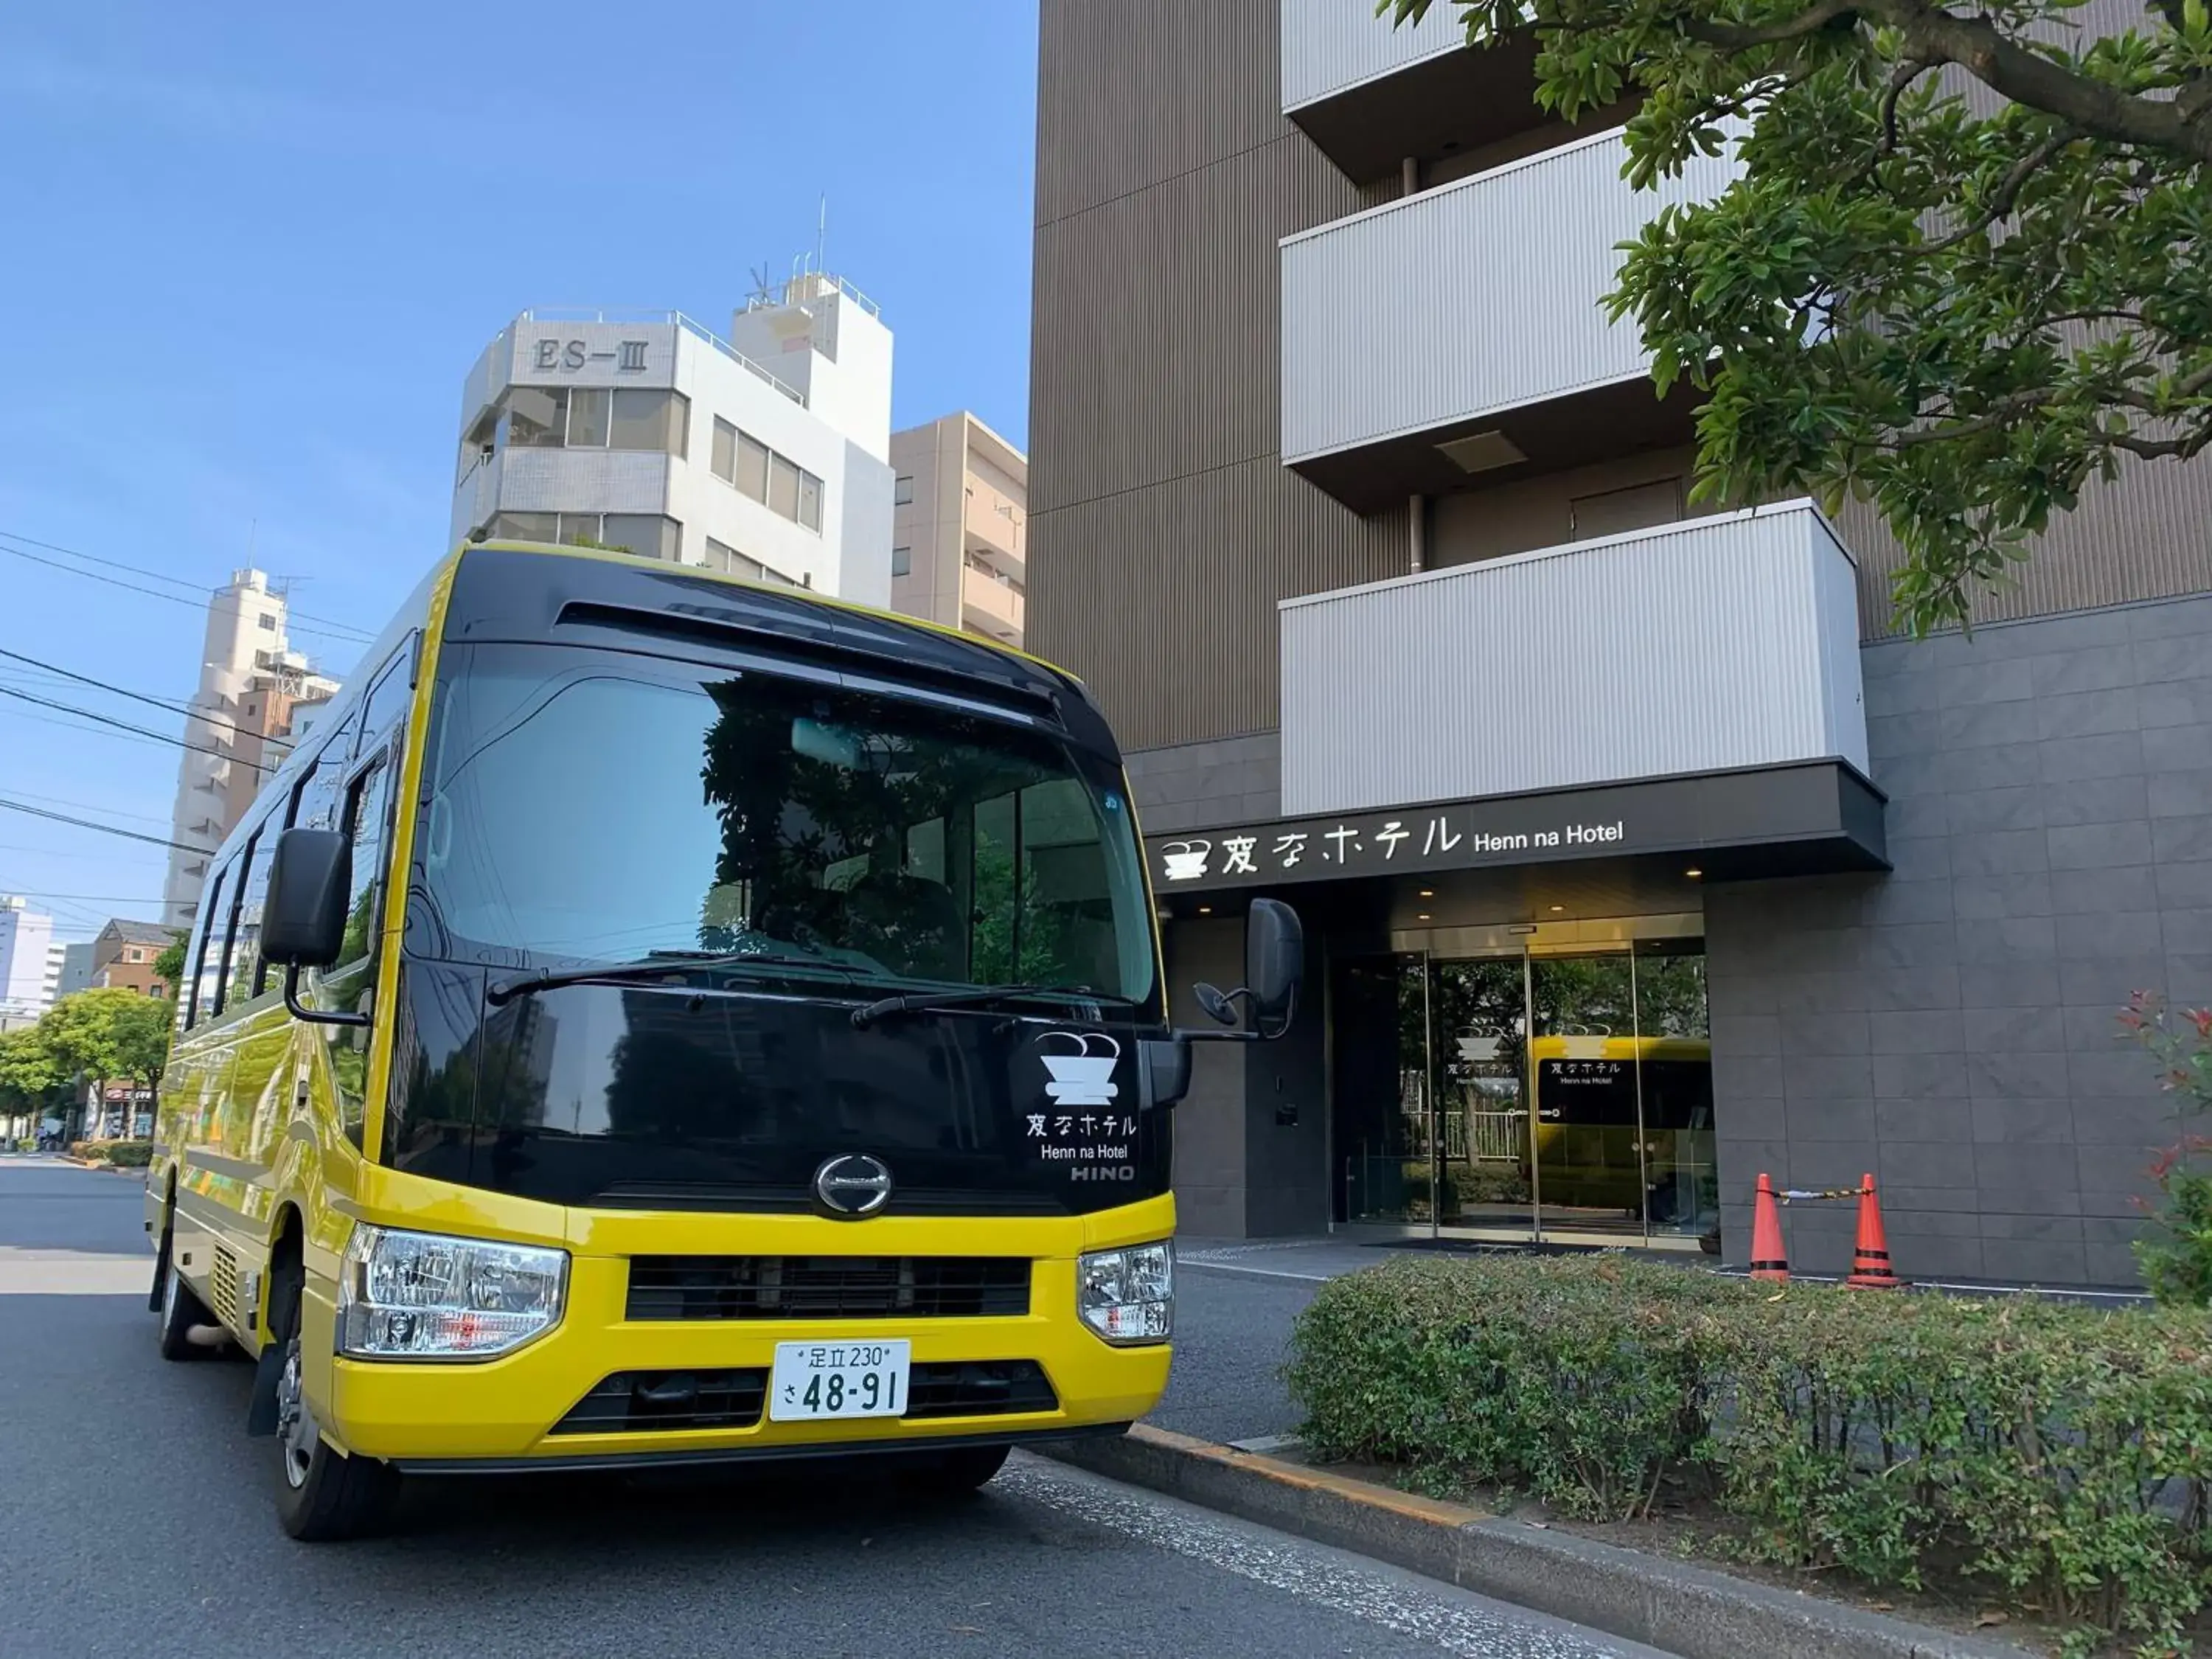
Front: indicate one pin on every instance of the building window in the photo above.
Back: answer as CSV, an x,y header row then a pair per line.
x,y
526,526
903,489
268,623
752,478
588,416
782,487
648,535
901,562
536,417
597,417
786,488
722,556
644,418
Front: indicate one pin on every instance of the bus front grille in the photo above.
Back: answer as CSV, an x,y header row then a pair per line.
x,y
681,1287
651,1402
979,1388
642,1402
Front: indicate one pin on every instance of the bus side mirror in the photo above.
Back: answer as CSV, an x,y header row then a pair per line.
x,y
1274,968
1274,964
303,919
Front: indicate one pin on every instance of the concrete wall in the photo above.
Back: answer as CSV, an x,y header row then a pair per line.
x,y
1210,1185
1202,786
1951,1027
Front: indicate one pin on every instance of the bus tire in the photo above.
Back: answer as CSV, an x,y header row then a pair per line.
x,y
322,1495
178,1309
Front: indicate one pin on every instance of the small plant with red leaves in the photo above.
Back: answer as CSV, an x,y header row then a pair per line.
x,y
2176,1258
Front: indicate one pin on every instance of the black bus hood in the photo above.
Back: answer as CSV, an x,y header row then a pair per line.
x,y
735,1099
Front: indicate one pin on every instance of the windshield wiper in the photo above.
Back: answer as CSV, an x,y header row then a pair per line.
x,y
965,996
656,964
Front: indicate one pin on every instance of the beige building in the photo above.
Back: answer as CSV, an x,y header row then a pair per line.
x,y
252,687
960,527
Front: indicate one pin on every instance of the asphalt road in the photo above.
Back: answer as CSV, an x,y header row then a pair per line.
x,y
134,1522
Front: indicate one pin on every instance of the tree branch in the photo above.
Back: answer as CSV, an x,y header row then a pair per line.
x,y
1731,38
1975,44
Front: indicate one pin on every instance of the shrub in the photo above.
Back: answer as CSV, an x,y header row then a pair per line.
x,y
2050,1450
128,1154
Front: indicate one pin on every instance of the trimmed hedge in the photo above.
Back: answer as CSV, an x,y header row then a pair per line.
x,y
123,1154
2058,1453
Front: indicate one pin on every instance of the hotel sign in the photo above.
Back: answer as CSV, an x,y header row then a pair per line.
x,y
1822,812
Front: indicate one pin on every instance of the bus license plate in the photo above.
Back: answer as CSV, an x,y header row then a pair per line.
x,y
815,1380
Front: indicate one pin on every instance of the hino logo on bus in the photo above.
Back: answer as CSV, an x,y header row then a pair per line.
x,y
852,1185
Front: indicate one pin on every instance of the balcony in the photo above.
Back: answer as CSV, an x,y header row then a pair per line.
x,y
1474,312
995,529
989,605
1715,645
1368,93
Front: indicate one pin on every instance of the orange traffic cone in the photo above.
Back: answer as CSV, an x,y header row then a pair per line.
x,y
1767,1261
1871,1269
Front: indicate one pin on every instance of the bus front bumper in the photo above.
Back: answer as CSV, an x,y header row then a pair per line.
x,y
515,1412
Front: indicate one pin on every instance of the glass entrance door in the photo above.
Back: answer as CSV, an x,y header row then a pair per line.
x,y
1478,1064
1543,1093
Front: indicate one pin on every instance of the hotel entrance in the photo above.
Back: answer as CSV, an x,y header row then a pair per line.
x,y
1498,1084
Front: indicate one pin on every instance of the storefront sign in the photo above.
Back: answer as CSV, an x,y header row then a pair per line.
x,y
1821,809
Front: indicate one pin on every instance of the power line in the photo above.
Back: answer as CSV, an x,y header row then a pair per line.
x,y
84,898
123,725
353,632
104,829
84,805
136,697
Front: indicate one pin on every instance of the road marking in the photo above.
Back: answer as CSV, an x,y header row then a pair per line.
x,y
1254,1273
72,1272
1457,1621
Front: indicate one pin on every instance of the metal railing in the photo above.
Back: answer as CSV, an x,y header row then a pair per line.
x,y
771,302
689,324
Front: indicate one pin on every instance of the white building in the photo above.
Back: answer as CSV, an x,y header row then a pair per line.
x,y
959,540
30,962
245,652
767,454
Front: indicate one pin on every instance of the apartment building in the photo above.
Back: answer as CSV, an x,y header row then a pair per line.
x,y
124,953
765,453
30,958
251,684
1637,853
959,527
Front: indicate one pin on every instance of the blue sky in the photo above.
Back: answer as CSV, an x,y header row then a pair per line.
x,y
252,250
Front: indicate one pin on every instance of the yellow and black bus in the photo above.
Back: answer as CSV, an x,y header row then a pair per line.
x,y
655,1018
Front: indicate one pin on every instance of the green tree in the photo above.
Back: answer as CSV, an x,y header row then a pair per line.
x,y
1962,272
32,1084
109,1035
169,966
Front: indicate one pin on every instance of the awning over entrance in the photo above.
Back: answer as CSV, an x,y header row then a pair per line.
x,y
1810,818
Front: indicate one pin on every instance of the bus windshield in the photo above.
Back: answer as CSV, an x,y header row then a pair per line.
x,y
588,806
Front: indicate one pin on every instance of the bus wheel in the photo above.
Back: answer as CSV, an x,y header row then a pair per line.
x,y
322,1495
180,1309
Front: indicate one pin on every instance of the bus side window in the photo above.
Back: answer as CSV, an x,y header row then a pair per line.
x,y
226,979
207,967
350,983
249,976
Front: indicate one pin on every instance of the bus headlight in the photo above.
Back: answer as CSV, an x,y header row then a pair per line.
x,y
424,1296
1127,1297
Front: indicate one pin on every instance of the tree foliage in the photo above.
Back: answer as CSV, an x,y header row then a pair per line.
x,y
31,1079
109,1033
169,966
1960,272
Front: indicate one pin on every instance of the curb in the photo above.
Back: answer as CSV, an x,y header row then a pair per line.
x,y
1690,1611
